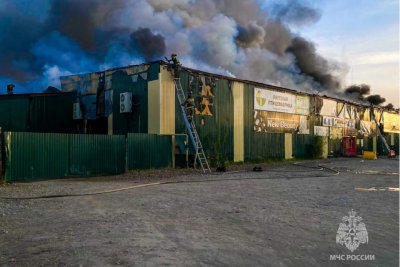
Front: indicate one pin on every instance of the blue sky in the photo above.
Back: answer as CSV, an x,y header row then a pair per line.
x,y
363,34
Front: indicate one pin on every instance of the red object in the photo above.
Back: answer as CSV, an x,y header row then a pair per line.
x,y
392,153
349,146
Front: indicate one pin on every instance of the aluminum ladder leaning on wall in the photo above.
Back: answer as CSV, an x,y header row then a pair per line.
x,y
191,128
378,130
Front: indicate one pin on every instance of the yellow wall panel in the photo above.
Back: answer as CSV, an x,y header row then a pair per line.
x,y
167,102
161,104
154,107
288,146
238,121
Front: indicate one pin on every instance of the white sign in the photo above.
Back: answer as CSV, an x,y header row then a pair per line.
x,y
352,232
302,105
321,131
304,127
341,123
351,124
274,101
328,121
328,108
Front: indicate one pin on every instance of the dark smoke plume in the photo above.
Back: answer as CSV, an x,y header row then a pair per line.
x,y
251,35
312,64
43,39
358,91
362,91
150,45
389,106
375,99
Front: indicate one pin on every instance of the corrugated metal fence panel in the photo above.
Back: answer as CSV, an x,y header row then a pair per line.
x,y
259,145
36,156
146,151
302,145
265,146
97,154
335,146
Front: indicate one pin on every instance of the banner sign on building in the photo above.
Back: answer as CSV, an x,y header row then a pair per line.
x,y
321,131
265,121
335,133
337,122
340,123
328,121
328,108
268,100
349,132
302,105
351,124
391,123
304,127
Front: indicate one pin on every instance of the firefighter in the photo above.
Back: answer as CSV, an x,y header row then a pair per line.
x,y
189,105
176,65
10,89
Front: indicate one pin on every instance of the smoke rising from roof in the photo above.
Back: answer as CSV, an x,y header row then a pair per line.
x,y
375,99
150,45
358,91
232,37
362,91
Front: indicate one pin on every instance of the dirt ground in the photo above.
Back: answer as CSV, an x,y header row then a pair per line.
x,y
286,215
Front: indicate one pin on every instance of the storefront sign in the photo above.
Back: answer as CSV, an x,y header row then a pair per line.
x,y
391,122
265,121
321,131
302,105
269,100
351,124
349,132
340,123
335,133
328,121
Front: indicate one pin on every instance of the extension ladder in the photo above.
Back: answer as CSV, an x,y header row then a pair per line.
x,y
379,132
191,128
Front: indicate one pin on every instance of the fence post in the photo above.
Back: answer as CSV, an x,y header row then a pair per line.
x,y
126,152
173,151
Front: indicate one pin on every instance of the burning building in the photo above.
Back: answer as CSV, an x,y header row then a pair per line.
x,y
239,120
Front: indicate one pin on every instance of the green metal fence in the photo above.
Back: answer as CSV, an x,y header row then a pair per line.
x,y
146,151
34,156
302,145
96,154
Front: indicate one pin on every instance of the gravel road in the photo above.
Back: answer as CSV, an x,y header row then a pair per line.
x,y
286,215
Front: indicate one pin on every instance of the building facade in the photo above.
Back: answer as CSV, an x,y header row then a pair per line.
x,y
236,120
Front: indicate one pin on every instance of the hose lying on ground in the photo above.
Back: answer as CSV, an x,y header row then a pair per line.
x,y
319,167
